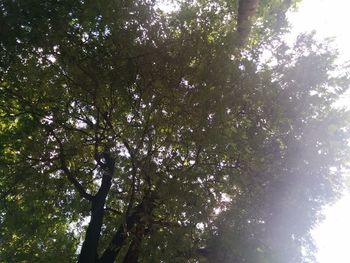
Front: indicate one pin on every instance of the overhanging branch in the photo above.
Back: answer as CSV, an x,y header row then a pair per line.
x,y
65,169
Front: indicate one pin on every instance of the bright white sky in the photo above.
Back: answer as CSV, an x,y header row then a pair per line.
x,y
330,18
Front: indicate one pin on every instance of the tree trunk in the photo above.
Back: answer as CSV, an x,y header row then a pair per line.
x,y
144,209
133,253
246,11
88,252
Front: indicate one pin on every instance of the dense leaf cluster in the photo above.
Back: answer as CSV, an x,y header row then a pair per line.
x,y
129,134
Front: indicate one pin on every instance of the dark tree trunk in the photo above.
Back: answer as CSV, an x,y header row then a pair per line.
x,y
144,209
88,252
133,253
246,11
117,242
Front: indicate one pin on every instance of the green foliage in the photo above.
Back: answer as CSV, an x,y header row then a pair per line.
x,y
128,134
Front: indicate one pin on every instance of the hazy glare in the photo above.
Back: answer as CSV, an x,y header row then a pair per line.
x,y
330,18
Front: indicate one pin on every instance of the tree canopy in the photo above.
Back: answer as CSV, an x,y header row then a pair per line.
x,y
131,134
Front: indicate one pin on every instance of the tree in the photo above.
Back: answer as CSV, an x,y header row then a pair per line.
x,y
270,215
125,129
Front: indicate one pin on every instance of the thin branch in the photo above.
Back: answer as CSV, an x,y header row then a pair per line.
x,y
113,210
166,223
65,168
134,174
